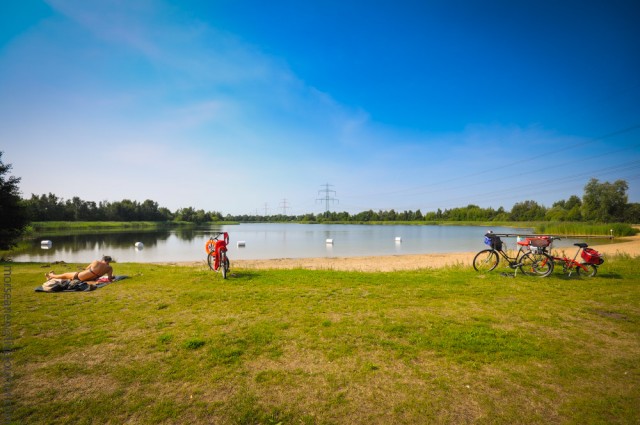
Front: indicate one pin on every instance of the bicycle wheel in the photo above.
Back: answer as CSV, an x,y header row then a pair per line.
x,y
540,265
224,264
486,260
211,260
589,270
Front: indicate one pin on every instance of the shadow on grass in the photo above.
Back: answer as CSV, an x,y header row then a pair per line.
x,y
576,277
610,275
243,275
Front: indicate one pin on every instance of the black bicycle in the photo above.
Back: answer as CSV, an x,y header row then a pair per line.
x,y
530,262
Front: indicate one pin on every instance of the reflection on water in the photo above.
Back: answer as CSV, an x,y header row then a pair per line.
x,y
265,241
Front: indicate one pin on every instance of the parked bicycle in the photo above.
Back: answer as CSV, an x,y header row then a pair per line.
x,y
588,267
529,262
216,248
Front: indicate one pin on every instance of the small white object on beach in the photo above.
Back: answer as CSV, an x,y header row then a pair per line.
x,y
46,244
241,244
329,241
398,239
139,245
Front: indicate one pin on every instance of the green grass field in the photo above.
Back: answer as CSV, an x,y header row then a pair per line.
x,y
175,345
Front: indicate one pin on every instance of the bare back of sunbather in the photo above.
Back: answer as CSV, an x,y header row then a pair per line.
x,y
93,272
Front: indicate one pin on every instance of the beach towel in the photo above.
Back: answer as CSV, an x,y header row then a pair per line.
x,y
75,285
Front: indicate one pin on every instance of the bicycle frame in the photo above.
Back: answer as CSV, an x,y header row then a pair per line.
x,y
217,248
529,262
514,262
571,264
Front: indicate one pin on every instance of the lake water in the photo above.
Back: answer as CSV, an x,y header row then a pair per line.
x,y
266,241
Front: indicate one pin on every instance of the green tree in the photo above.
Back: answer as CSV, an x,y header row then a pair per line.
x,y
568,210
126,210
527,211
148,211
572,202
308,217
79,210
13,214
557,212
166,214
46,208
366,216
632,213
604,202
200,216
186,214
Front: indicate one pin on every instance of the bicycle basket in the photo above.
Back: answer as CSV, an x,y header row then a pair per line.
x,y
494,242
592,256
537,249
541,242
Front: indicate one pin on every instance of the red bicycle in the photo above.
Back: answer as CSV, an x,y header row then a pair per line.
x,y
588,267
216,248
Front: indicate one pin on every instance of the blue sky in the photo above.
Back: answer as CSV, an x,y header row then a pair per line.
x,y
249,106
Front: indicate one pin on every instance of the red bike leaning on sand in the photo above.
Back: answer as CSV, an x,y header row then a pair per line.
x,y
216,248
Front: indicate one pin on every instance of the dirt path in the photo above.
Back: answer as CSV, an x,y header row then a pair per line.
x,y
630,246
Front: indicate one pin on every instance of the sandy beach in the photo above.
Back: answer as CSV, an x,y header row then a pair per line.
x,y
630,246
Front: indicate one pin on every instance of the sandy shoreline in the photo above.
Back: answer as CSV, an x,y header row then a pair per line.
x,y
630,246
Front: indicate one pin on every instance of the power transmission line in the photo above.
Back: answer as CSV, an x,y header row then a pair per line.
x,y
539,170
494,167
538,186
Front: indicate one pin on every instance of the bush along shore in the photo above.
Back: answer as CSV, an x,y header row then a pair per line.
x,y
561,228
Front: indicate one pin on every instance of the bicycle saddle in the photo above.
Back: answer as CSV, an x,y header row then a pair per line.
x,y
581,245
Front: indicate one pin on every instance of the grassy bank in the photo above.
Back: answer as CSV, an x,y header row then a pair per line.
x,y
180,345
556,228
568,228
43,226
49,227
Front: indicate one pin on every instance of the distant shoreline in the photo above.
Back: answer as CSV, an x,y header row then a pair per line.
x,y
389,263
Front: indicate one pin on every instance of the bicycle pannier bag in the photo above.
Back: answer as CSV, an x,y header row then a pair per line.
x,y
592,256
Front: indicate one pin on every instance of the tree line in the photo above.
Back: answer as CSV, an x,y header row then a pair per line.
x,y
50,207
602,202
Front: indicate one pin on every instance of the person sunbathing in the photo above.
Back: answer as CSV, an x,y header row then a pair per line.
x,y
92,273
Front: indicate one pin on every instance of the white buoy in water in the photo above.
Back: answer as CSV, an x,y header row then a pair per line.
x,y
241,244
398,239
46,244
329,241
139,245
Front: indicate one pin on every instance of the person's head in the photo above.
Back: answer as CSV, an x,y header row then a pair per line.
x,y
107,259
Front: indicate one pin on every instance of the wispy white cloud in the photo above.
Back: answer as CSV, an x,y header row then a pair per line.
x,y
170,108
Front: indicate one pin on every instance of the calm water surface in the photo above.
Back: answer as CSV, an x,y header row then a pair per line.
x,y
267,241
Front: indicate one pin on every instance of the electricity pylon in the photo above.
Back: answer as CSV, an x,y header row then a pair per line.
x,y
284,206
327,195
